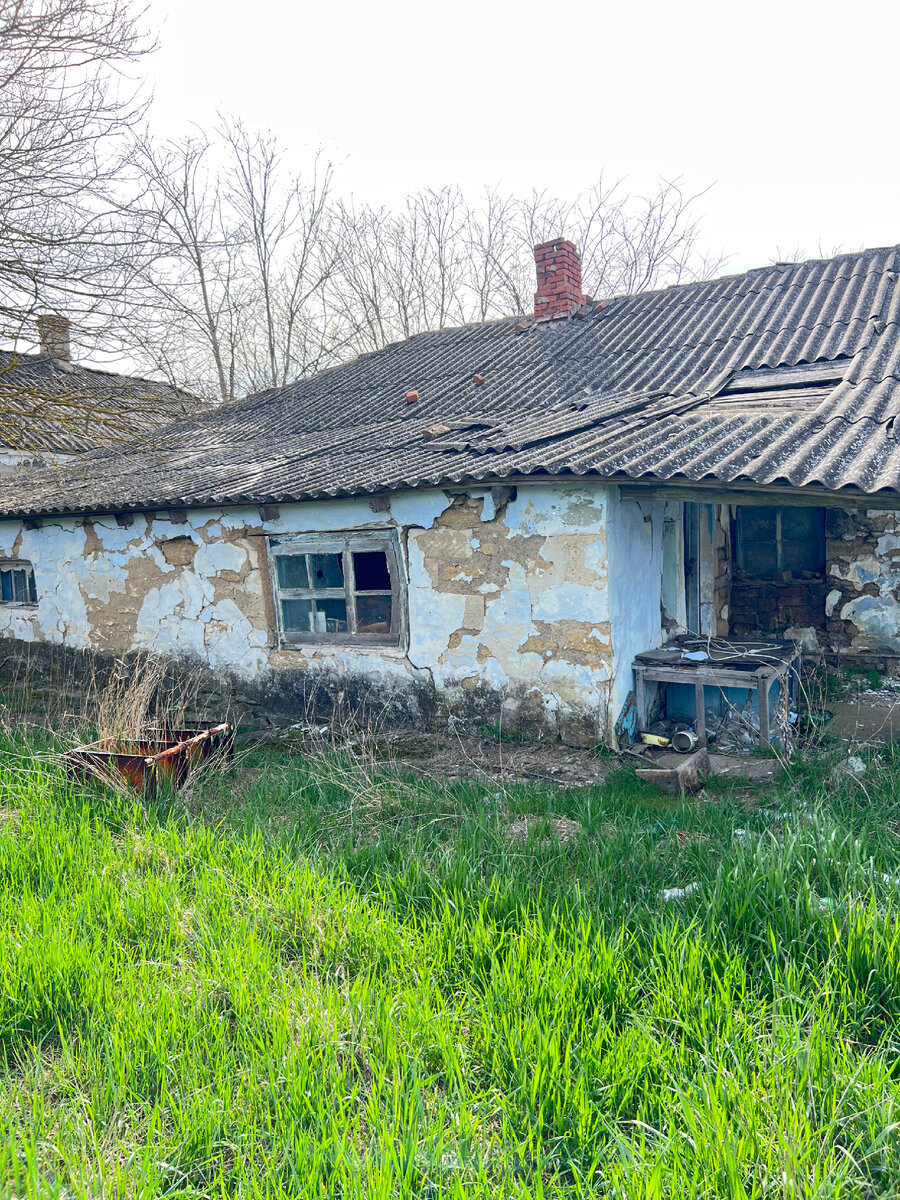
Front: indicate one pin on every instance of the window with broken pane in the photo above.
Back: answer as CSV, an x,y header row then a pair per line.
x,y
337,589
17,584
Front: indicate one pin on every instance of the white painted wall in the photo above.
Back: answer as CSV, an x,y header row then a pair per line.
x,y
635,533
546,601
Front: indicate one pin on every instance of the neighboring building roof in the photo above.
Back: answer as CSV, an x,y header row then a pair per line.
x,y
785,374
50,405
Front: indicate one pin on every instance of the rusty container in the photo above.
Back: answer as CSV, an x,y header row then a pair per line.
x,y
147,763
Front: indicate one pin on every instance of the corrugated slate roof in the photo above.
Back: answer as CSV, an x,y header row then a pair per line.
x,y
702,381
53,405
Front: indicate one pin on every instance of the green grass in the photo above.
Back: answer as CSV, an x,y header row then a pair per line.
x,y
307,978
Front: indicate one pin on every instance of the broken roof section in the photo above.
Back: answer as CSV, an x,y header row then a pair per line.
x,y
51,405
785,374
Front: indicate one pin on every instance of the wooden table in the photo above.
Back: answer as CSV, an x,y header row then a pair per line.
x,y
779,660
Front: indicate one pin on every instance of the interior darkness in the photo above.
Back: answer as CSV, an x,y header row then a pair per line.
x,y
371,572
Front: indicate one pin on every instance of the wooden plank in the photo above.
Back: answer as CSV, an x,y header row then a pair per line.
x,y
700,715
764,688
715,678
764,379
705,493
640,699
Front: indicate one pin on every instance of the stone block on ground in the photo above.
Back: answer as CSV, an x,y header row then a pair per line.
x,y
686,777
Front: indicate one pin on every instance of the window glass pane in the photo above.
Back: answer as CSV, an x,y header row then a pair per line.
x,y
760,560
801,524
298,616
6,593
370,571
20,586
373,614
32,589
292,571
758,524
331,616
802,556
327,570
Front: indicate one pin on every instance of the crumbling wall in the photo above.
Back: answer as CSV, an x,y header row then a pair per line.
x,y
773,605
509,608
862,606
509,614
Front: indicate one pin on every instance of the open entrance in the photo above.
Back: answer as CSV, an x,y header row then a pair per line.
x,y
778,578
736,579
743,570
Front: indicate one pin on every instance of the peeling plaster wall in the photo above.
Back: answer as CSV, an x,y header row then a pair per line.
x,y
511,612
510,609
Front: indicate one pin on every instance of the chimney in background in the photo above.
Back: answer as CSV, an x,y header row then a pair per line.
x,y
53,335
558,278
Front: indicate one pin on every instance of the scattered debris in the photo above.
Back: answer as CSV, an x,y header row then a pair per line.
x,y
806,639
691,837
685,741
854,766
412,397
655,739
434,431
738,731
478,380
669,894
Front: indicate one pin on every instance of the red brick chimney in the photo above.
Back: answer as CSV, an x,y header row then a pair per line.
x,y
558,278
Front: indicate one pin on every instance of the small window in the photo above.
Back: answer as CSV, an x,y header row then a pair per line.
x,y
17,583
774,541
343,589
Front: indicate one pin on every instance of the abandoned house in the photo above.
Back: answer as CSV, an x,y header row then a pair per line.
x,y
52,409
499,520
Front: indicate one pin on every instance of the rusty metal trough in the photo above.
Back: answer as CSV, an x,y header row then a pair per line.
x,y
163,755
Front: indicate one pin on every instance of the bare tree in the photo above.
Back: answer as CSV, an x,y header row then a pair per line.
x,y
66,109
399,273
184,312
232,301
287,225
442,260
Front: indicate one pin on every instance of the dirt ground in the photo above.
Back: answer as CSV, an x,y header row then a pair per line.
x,y
869,717
452,757
864,718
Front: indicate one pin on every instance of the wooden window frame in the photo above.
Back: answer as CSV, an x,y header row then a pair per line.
x,y
780,542
9,566
345,544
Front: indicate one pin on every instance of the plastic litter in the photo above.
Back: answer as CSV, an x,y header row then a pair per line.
x,y
669,894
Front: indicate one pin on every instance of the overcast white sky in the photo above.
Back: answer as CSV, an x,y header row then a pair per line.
x,y
787,109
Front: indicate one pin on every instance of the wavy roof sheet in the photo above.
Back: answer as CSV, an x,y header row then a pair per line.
x,y
51,405
648,385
